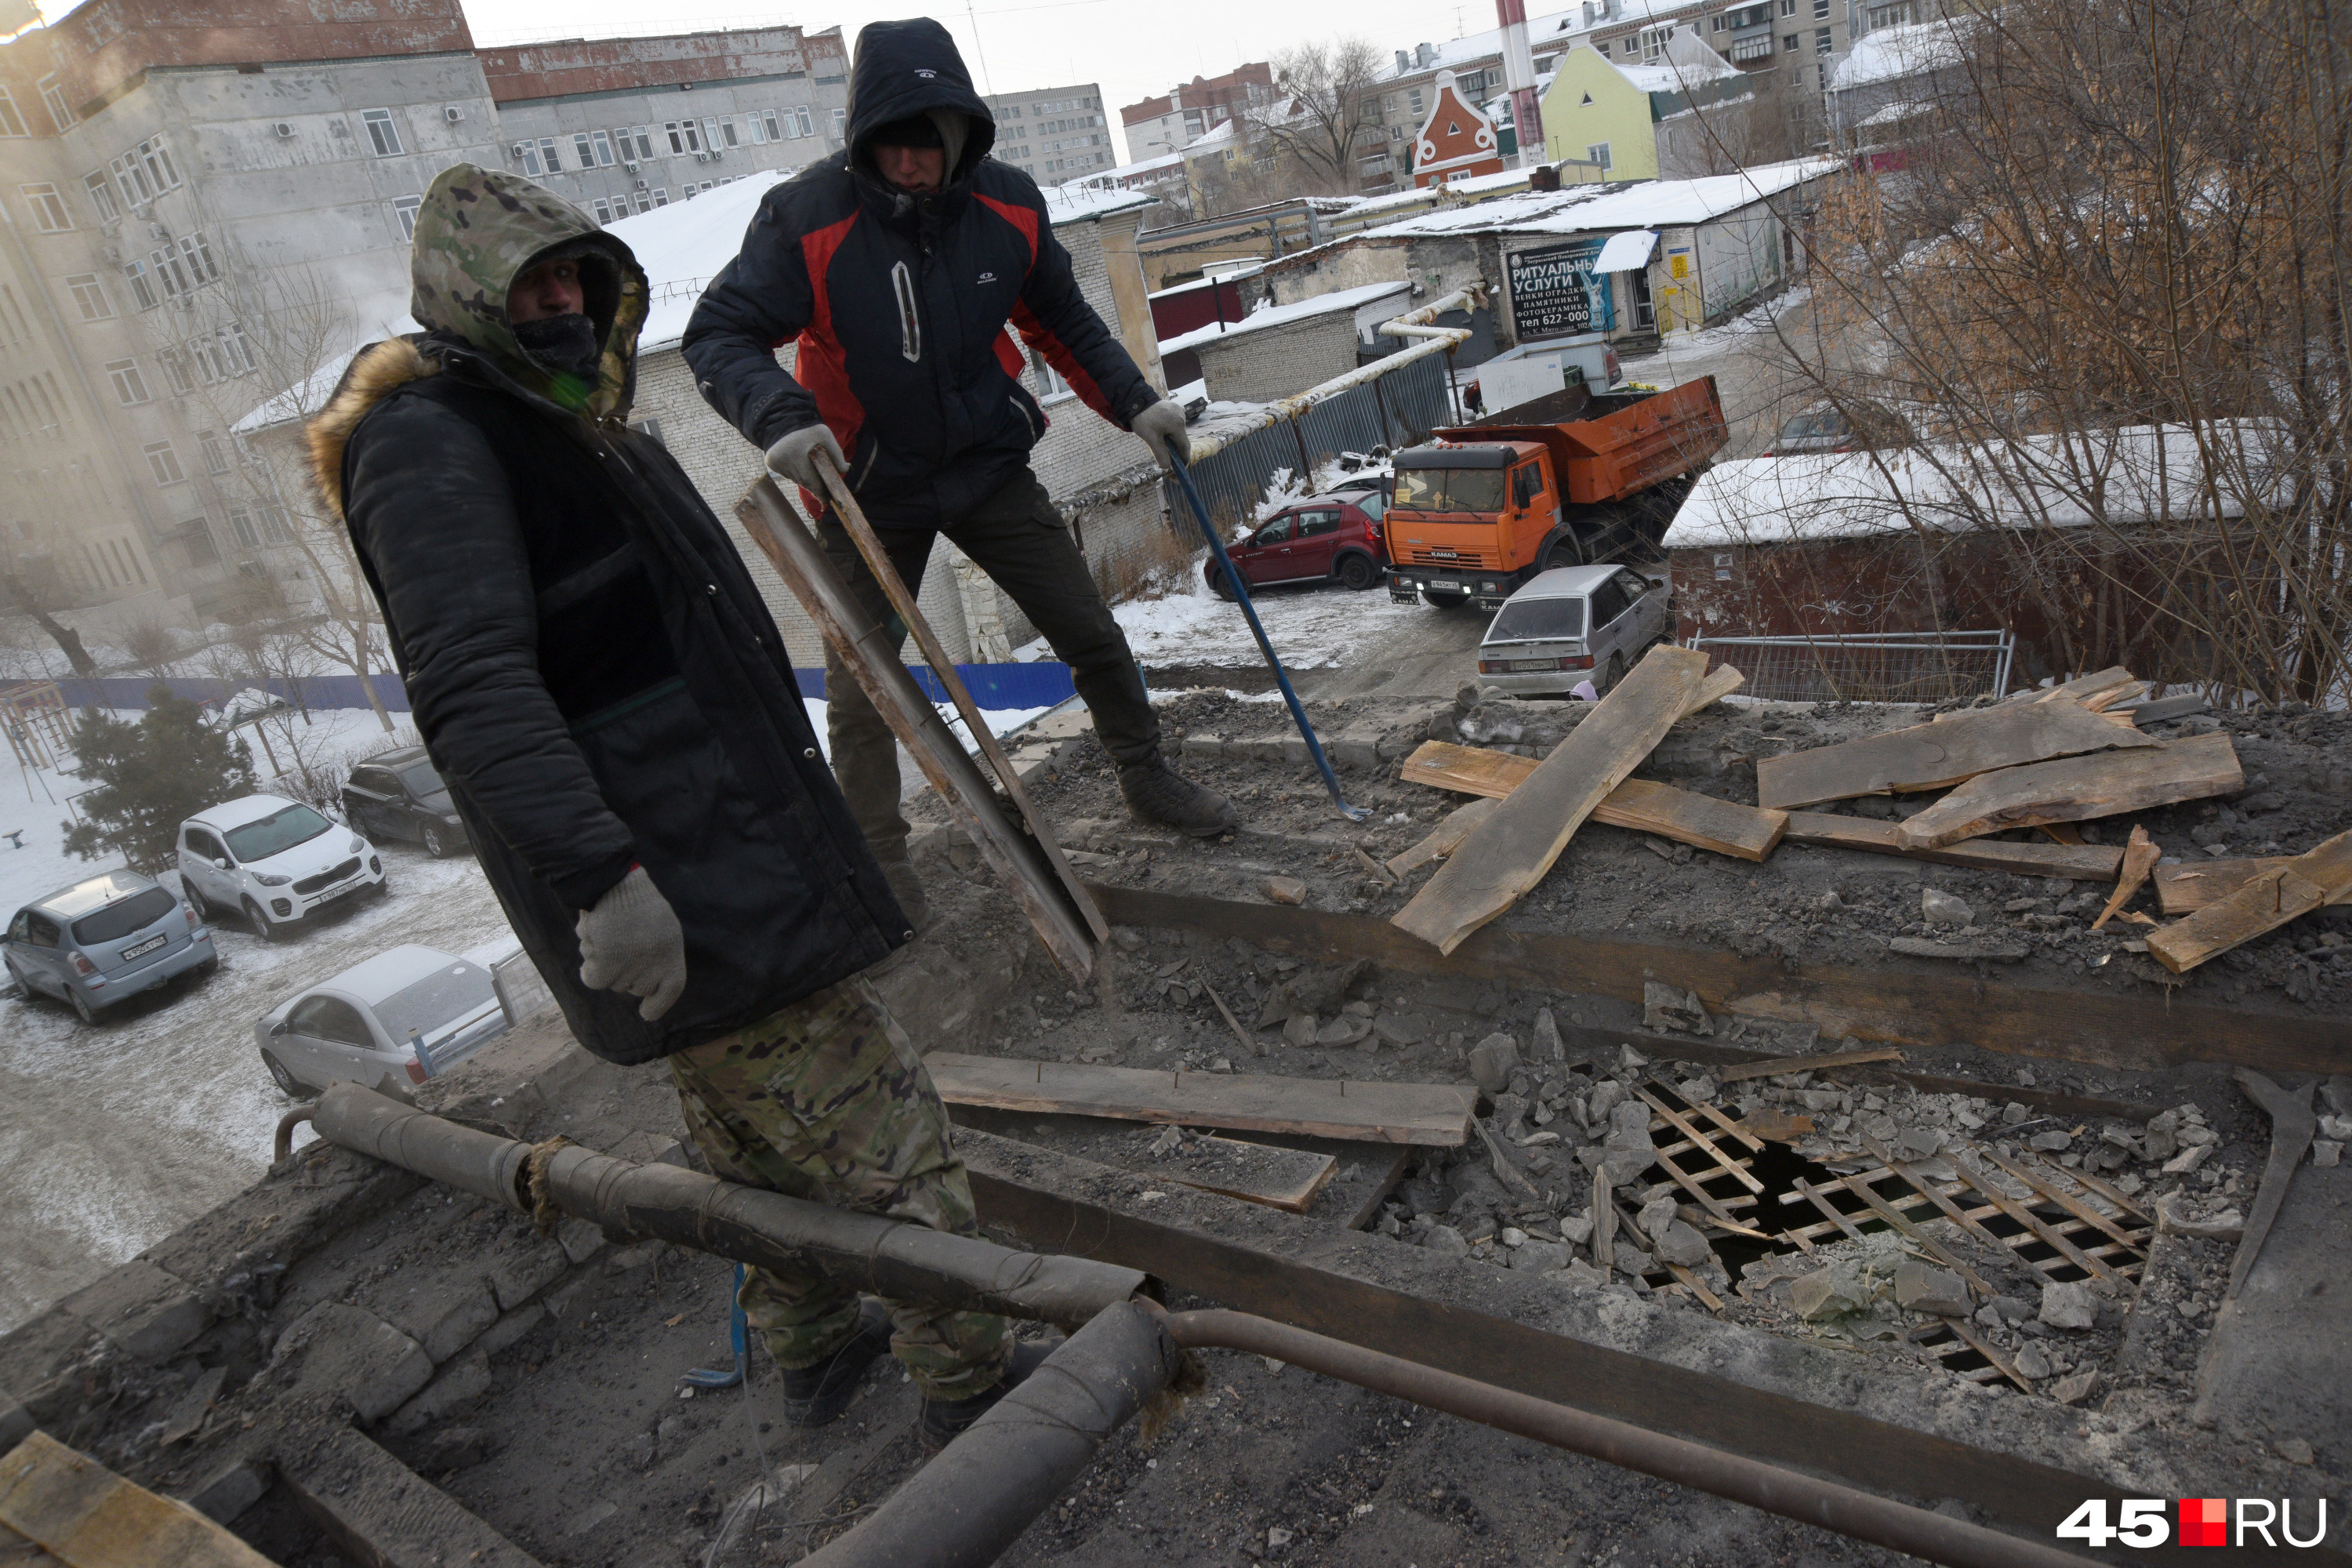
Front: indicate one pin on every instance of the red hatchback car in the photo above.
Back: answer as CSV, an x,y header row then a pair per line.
x,y
1323,539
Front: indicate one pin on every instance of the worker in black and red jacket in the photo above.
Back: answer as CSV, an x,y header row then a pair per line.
x,y
897,266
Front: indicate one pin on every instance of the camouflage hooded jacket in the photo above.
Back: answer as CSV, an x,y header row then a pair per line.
x,y
590,665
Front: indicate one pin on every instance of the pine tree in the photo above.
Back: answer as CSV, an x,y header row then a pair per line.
x,y
152,776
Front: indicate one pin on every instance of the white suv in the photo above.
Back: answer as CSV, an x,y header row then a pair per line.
x,y
273,860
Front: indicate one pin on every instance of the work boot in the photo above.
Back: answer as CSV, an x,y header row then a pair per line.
x,y
945,1420
907,888
818,1393
1157,793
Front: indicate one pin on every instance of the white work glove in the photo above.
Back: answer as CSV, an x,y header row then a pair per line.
x,y
1161,425
794,456
631,942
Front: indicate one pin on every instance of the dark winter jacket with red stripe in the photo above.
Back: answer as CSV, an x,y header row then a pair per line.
x,y
899,304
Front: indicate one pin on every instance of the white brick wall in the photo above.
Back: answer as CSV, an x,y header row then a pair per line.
x,y
1269,363
1095,472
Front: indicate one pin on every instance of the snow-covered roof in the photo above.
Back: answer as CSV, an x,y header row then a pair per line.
x,y
683,246
1475,185
1588,209
1286,315
1077,204
1212,140
1891,54
2139,474
1901,109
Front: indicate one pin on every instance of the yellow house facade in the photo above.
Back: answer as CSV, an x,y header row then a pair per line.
x,y
1594,111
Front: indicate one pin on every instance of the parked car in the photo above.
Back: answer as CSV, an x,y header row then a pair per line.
x,y
1858,426
103,939
1574,623
390,1023
1325,539
274,861
400,795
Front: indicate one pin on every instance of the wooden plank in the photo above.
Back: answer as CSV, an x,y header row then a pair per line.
x,y
1425,1114
2064,1200
2140,859
943,671
1725,827
1286,1179
2185,890
1682,1124
2101,701
2082,862
1894,1216
2262,903
1064,924
1445,838
1778,1065
1512,850
2062,833
85,1516
2074,789
1937,755
2059,1017
15,1551
2080,686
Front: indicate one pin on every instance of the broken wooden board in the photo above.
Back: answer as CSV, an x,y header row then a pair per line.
x,y
1512,850
1725,827
1937,755
1446,836
2081,686
2083,862
1779,1065
1778,1126
1284,1179
1426,1113
2185,890
2140,859
84,1515
1057,905
2075,789
2262,902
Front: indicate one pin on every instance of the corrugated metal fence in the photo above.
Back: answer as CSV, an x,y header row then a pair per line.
x,y
1392,410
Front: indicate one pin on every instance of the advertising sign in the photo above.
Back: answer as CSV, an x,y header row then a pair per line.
x,y
1554,293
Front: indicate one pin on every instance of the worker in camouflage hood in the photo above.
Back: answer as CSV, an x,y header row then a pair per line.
x,y
599,682
897,266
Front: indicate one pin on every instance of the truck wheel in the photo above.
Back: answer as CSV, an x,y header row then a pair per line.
x,y
1357,573
1562,552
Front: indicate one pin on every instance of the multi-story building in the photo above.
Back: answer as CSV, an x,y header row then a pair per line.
x,y
1160,126
625,125
1055,134
208,205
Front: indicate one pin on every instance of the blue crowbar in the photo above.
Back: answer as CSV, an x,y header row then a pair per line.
x,y
721,1378
1241,594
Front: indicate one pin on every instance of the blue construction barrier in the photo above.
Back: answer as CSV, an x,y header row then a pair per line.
x,y
993,687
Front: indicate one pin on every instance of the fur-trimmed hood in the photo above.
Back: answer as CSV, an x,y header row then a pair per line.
x,y
375,372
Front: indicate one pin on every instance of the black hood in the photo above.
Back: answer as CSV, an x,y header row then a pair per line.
x,y
904,68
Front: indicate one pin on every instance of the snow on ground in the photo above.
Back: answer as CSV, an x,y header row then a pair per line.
x,y
1311,627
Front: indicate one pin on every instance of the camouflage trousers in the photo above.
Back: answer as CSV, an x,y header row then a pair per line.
x,y
827,1100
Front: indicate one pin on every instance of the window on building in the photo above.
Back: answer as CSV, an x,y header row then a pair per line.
x,y
603,209
237,349
176,371
1599,153
526,154
602,146
48,207
1791,44
661,197
625,141
1753,48
836,123
195,541
775,128
216,452
164,463
683,136
170,272
101,197
727,130
548,155
132,181
1822,43
808,127
130,386
12,123
645,202
1820,10
583,152
382,134
155,159
143,287
90,297
403,212
53,94
1788,8
240,522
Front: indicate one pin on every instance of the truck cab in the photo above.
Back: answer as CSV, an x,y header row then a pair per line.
x,y
1464,519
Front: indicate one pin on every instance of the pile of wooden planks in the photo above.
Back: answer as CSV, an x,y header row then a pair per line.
x,y
2046,759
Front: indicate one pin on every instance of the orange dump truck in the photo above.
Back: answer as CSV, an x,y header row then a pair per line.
x,y
1574,478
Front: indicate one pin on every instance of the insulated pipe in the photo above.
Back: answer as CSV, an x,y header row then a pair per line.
x,y
982,1490
893,1259
1809,1500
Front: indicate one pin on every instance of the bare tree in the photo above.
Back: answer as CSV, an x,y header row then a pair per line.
x,y
2111,275
1325,100
26,595
152,646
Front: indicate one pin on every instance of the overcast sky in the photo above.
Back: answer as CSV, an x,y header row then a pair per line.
x,y
1135,49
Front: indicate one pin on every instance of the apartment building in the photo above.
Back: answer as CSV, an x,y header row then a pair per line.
x,y
1158,127
1055,134
206,204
